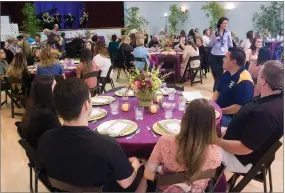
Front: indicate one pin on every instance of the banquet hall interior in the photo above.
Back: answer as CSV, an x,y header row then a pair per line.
x,y
133,96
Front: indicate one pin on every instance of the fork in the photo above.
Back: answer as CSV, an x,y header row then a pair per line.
x,y
149,129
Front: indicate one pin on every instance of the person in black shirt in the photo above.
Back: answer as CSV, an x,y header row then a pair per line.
x,y
154,42
258,124
125,56
40,115
79,156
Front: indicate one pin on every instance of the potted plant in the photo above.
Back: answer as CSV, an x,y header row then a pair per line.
x,y
134,20
30,22
214,11
269,17
176,16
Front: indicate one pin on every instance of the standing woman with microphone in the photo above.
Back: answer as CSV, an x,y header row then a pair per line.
x,y
220,42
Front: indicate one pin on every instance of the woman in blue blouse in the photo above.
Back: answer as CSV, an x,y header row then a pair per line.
x,y
220,42
141,52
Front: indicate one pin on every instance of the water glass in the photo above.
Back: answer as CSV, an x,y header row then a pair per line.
x,y
168,108
171,94
181,104
114,107
139,113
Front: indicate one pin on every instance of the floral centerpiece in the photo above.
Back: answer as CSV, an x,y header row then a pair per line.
x,y
145,84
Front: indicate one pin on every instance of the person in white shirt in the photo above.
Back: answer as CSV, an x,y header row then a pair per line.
x,y
206,37
246,43
102,58
280,36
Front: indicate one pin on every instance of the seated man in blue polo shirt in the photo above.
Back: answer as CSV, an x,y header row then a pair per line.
x,y
236,85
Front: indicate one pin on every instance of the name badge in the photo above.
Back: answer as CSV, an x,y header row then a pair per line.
x,y
222,49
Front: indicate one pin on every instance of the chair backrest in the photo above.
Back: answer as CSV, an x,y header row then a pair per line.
x,y
71,188
180,88
58,78
139,59
194,58
168,61
92,74
31,154
176,178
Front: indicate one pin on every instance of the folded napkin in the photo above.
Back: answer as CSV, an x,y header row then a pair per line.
x,y
95,112
170,127
115,128
189,96
99,100
123,92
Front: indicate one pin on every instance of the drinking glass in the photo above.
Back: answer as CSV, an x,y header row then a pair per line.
x,y
168,108
139,113
171,94
114,107
181,104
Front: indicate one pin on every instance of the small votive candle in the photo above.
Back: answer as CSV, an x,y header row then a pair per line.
x,y
153,108
125,106
159,98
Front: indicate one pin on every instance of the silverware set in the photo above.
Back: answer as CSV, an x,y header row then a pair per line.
x,y
149,129
136,133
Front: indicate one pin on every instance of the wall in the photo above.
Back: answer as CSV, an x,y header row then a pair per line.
x,y
239,17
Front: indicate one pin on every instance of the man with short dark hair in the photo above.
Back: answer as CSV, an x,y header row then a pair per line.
x,y
38,38
258,124
79,156
236,85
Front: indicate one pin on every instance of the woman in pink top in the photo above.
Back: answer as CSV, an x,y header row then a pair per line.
x,y
192,150
251,56
87,65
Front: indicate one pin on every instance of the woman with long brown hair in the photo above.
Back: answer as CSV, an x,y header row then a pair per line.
x,y
102,58
192,150
87,65
18,70
40,115
190,50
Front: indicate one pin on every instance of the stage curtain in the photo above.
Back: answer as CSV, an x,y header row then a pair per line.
x,y
63,8
105,14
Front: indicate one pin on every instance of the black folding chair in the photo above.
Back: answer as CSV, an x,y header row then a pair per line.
x,y
15,94
176,178
34,164
4,87
192,71
96,74
106,80
63,186
168,65
263,166
121,64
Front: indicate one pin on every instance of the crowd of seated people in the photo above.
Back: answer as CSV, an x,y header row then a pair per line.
x,y
252,124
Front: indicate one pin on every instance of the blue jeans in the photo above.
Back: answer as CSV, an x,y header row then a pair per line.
x,y
226,120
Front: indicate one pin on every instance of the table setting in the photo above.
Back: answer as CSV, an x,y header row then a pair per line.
x,y
137,128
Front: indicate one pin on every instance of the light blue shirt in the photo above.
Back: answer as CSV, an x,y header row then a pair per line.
x,y
141,52
221,46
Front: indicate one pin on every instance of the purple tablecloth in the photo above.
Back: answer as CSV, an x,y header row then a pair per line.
x,y
155,60
142,144
70,73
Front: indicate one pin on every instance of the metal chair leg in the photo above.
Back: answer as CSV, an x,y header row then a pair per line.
x,y
36,181
264,179
232,181
12,107
270,179
31,179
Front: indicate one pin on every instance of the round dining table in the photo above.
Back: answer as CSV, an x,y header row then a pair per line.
x,y
142,144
